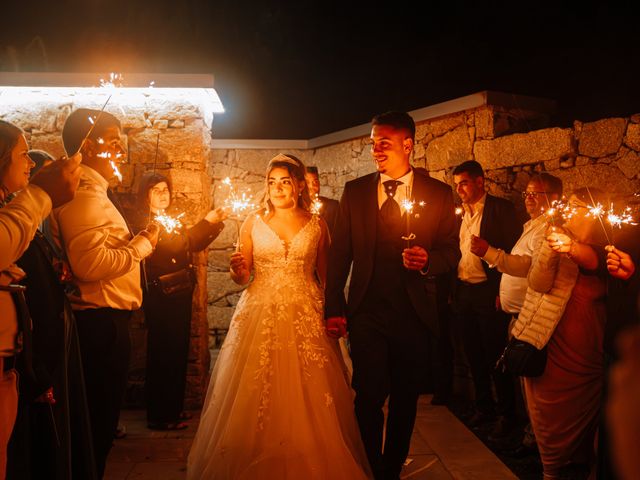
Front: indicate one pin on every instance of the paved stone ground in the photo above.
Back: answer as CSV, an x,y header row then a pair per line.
x,y
442,448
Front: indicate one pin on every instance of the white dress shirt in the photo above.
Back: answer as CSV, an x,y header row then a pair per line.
x,y
103,257
403,191
470,268
515,266
19,220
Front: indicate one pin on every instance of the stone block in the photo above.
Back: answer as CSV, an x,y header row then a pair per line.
x,y
632,137
219,317
418,151
629,164
601,138
440,126
483,120
579,162
449,150
161,124
253,161
551,165
50,143
524,148
220,285
520,182
336,157
439,175
176,124
570,162
187,181
219,259
606,177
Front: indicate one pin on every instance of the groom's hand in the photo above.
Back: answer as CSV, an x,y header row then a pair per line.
x,y
336,327
414,258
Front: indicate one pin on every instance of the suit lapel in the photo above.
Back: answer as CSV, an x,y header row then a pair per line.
x,y
370,209
486,216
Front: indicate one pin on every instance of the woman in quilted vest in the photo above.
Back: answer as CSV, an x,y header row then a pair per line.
x,y
564,311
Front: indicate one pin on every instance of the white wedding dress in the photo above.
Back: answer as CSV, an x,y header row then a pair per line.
x,y
279,405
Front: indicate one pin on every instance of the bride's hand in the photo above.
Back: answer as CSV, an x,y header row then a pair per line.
x,y
237,263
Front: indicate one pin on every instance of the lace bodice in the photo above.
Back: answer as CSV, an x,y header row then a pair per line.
x,y
279,264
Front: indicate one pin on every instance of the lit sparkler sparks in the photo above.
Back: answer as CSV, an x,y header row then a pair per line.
x,y
169,223
407,205
316,205
238,202
618,219
116,80
114,165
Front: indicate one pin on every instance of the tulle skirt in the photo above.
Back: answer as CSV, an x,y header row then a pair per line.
x,y
279,405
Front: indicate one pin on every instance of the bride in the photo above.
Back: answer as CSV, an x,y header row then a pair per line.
x,y
279,405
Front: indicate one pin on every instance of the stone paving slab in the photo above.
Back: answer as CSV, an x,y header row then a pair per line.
x,y
442,448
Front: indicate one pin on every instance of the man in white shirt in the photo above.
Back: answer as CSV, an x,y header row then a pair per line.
x,y
541,191
105,260
476,290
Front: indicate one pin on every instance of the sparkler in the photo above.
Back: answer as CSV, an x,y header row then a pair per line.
x,y
239,202
169,223
407,205
618,219
114,165
316,205
93,121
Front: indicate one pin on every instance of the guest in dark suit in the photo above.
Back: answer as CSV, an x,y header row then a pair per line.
x,y
391,310
482,330
329,207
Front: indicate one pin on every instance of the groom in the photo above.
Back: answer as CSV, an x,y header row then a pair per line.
x,y
390,312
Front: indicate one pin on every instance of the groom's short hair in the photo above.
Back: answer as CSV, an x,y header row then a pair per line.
x,y
397,120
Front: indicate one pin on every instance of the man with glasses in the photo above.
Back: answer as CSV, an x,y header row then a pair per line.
x,y
542,190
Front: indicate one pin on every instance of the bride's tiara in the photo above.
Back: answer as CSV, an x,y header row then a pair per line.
x,y
282,158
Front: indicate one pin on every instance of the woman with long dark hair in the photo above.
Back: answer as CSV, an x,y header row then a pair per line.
x,y
167,302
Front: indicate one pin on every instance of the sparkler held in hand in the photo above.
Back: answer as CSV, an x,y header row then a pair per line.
x,y
238,203
169,223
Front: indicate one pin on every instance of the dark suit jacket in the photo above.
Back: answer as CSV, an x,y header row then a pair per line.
x,y
355,238
501,227
329,212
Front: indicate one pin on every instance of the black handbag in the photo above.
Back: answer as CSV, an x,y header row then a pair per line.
x,y
523,359
175,282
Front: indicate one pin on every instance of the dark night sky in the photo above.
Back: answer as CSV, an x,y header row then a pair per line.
x,y
306,68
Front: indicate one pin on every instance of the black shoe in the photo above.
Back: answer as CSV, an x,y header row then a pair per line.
x,y
503,427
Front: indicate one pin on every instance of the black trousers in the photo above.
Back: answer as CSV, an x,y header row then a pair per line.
x,y
484,332
168,320
105,347
388,350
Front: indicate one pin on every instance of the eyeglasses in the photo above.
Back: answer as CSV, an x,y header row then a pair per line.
x,y
526,195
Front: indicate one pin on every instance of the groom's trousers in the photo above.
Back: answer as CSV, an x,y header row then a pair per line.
x,y
389,353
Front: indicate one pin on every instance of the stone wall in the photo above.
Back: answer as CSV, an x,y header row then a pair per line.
x,y
509,144
178,128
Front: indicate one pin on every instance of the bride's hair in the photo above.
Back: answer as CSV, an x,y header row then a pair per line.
x,y
296,169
